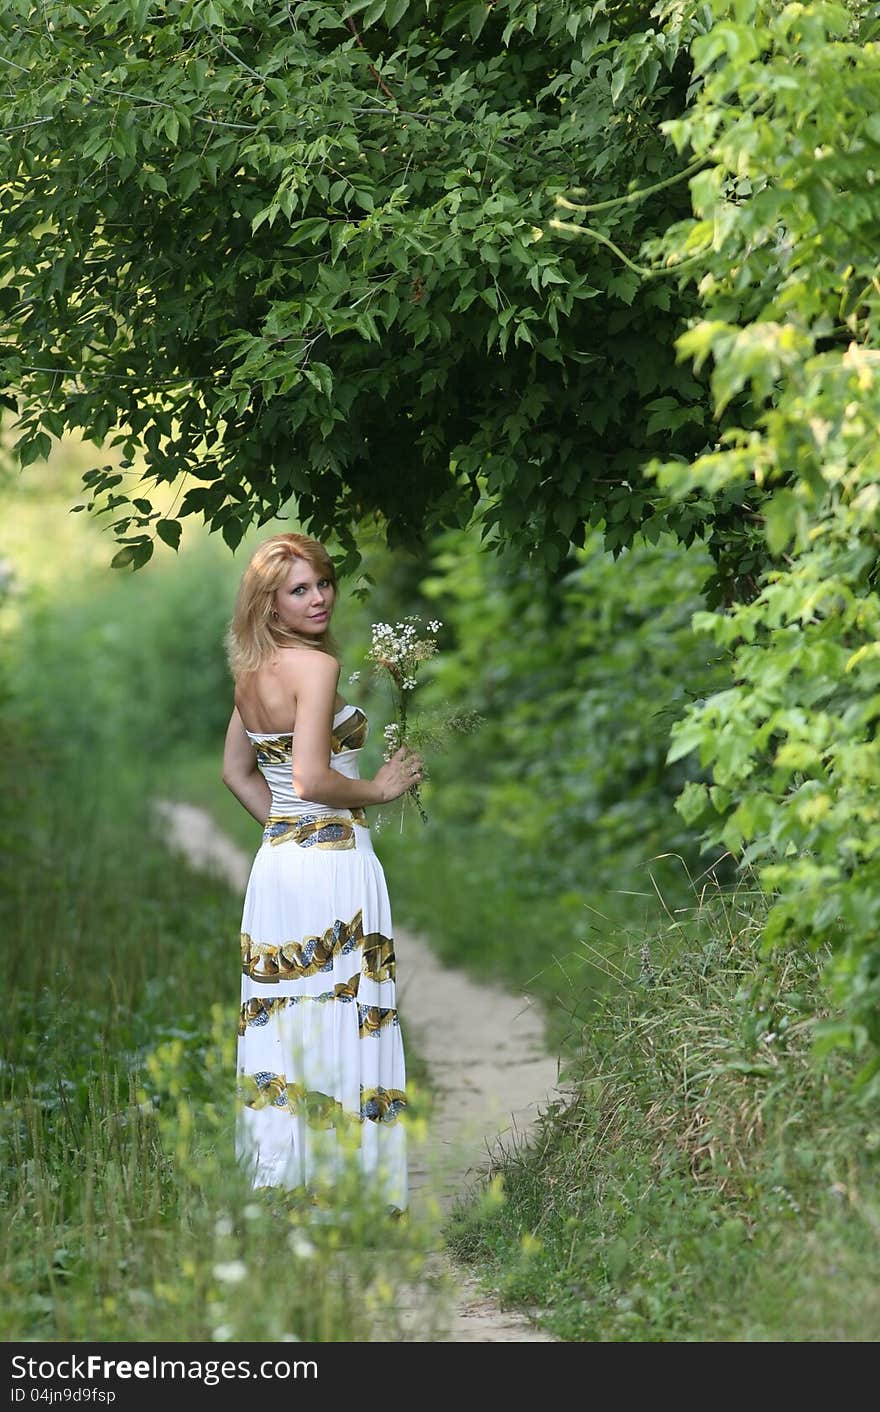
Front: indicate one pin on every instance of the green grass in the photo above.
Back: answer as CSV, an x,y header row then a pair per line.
x,y
707,1180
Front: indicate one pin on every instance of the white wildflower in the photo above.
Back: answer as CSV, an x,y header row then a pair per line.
x,y
355,676
231,1272
392,739
301,1246
223,1226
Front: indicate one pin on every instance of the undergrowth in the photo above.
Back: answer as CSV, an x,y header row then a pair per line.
x,y
703,1177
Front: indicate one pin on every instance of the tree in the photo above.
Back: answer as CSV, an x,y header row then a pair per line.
x,y
305,250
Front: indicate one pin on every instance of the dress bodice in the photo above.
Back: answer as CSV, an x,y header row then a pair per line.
x,y
274,751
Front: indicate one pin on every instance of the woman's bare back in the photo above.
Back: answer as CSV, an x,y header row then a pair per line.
x,y
266,699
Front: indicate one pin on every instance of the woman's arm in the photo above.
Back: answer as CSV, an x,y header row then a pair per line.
x,y
241,774
314,778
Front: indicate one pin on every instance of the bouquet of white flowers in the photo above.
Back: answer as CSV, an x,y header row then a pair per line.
x,y
398,651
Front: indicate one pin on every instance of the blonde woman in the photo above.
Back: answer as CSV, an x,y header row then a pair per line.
x,y
320,1052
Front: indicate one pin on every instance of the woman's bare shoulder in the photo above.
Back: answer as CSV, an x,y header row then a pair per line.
x,y
268,699
309,676
303,664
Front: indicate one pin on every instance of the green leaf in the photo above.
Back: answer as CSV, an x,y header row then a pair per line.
x,y
687,736
477,17
169,531
313,229
780,520
692,802
872,127
33,448
53,422
619,80
232,531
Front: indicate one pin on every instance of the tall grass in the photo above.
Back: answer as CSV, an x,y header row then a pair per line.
x,y
706,1179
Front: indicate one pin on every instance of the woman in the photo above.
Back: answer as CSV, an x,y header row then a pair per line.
x,y
320,1053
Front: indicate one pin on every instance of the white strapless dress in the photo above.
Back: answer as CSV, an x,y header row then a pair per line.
x,y
321,1068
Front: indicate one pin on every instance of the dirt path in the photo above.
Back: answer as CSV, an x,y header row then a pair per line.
x,y
484,1047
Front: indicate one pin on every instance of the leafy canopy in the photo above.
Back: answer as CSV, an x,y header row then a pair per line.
x,y
305,251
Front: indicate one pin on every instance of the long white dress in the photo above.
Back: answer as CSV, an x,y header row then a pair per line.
x,y
321,1068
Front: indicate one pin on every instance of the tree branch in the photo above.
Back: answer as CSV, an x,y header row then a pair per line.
x,y
632,196
644,271
373,70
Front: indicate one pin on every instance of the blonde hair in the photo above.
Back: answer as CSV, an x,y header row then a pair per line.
x,y
253,637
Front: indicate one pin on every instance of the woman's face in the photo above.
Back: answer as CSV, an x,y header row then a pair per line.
x,y
304,601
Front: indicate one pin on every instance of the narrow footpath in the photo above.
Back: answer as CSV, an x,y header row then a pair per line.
x,y
484,1047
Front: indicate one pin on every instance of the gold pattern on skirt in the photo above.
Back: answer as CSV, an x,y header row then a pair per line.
x,y
382,1105
379,963
258,1011
293,960
373,1019
272,1090
263,1090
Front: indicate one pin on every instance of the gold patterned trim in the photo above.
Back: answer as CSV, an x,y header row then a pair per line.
x,y
267,1090
372,1019
311,830
382,1105
379,962
350,734
276,751
258,1011
292,960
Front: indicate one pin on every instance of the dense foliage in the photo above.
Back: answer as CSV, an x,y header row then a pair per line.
x,y
577,687
307,251
787,124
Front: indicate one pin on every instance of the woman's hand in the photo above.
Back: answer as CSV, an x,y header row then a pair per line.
x,y
399,774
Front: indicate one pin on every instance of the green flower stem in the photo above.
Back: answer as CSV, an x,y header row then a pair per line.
x,y
413,790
